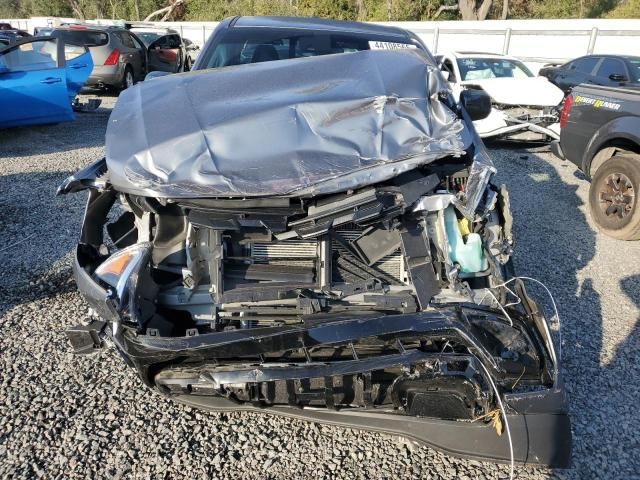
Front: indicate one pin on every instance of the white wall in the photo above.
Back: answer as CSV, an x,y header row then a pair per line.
x,y
539,41
548,39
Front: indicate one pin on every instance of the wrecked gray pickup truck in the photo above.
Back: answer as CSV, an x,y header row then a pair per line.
x,y
319,238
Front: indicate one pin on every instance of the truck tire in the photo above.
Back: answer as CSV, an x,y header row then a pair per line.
x,y
613,197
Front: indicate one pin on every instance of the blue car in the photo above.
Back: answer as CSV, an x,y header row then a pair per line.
x,y
39,78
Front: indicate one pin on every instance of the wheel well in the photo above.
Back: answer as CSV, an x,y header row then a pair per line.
x,y
610,149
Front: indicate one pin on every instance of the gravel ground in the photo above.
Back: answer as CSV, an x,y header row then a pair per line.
x,y
70,417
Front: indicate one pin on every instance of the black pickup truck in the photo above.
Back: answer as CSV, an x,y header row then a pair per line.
x,y
600,133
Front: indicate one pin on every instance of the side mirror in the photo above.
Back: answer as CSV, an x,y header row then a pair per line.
x,y
618,77
477,103
446,74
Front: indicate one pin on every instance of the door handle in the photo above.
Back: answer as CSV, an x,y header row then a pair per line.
x,y
76,66
51,80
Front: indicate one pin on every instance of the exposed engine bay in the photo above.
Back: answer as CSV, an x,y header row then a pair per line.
x,y
384,299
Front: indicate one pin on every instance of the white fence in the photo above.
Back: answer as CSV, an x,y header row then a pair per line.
x,y
537,41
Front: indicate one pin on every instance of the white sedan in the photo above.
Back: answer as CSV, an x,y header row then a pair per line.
x,y
525,107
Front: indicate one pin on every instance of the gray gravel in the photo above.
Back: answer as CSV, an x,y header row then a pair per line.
x,y
69,417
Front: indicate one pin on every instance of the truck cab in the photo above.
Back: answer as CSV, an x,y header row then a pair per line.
x,y
600,133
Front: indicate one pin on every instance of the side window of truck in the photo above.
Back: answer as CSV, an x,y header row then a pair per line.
x,y
586,65
611,66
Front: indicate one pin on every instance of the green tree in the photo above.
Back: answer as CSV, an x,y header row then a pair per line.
x,y
363,10
568,8
338,9
626,9
10,8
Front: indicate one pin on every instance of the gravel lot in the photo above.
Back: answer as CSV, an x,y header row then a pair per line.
x,y
70,417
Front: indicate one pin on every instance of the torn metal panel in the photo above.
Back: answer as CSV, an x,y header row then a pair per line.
x,y
322,125
84,178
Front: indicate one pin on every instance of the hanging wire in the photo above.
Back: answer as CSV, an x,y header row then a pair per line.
x,y
506,421
547,332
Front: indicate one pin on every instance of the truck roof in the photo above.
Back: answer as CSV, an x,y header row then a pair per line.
x,y
300,23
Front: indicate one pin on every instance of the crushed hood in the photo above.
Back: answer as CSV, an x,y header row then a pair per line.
x,y
532,91
292,127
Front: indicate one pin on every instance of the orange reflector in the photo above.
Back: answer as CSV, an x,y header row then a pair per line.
x,y
115,266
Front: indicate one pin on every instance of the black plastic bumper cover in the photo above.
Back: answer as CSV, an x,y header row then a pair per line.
x,y
539,424
97,297
538,438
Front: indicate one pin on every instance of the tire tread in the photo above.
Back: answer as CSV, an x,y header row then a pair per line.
x,y
627,161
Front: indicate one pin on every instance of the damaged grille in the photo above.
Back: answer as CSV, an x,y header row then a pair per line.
x,y
450,389
277,261
292,252
290,249
391,266
309,256
542,116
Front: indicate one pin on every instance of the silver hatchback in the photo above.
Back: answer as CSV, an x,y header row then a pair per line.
x,y
119,57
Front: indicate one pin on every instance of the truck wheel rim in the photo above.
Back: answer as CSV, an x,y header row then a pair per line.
x,y
617,196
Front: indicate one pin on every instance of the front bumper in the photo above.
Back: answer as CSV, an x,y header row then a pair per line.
x,y
539,423
500,125
540,430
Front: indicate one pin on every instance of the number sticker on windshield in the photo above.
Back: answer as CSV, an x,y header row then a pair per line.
x,y
389,46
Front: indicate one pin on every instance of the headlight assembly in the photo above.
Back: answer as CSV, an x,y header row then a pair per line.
x,y
120,273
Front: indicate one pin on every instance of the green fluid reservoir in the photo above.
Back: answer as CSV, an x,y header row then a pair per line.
x,y
467,252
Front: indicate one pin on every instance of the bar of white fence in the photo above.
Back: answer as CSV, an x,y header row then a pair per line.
x,y
527,39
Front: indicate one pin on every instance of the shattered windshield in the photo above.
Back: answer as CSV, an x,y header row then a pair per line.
x,y
483,68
